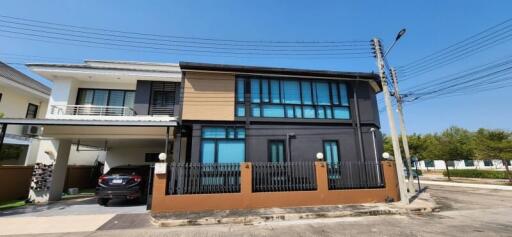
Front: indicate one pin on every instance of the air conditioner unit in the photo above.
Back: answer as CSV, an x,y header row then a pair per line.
x,y
31,130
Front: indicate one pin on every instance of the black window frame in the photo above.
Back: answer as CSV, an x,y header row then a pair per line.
x,y
429,163
81,90
471,162
327,111
337,149
28,109
488,163
216,140
269,151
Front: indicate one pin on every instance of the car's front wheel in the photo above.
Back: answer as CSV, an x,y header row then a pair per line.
x,y
103,201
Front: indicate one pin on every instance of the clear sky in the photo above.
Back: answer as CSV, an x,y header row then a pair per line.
x,y
431,25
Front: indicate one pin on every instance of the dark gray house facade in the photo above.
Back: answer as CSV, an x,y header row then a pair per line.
x,y
257,114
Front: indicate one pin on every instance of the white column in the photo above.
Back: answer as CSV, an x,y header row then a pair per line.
x,y
56,153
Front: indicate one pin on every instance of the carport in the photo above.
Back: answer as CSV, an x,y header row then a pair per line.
x,y
126,142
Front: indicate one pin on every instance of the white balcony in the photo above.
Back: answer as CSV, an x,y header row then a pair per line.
x,y
105,113
91,110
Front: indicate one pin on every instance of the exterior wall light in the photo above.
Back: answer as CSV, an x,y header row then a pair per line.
x,y
162,156
320,156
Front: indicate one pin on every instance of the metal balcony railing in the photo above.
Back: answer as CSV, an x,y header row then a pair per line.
x,y
92,110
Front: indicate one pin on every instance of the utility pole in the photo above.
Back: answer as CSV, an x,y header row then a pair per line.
x,y
394,138
402,129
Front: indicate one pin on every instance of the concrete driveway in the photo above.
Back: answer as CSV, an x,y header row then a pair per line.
x,y
82,206
75,215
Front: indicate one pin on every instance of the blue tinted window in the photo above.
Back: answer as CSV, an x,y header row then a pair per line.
x,y
208,151
343,94
309,112
240,110
223,145
276,151
289,111
341,113
255,90
275,91
256,111
214,133
231,151
322,93
306,92
334,93
298,111
291,92
320,112
331,152
240,133
264,91
240,89
274,111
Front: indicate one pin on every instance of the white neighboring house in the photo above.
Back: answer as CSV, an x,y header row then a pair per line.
x,y
24,97
463,164
20,97
126,110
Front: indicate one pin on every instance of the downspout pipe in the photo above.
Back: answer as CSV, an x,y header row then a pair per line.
x,y
358,127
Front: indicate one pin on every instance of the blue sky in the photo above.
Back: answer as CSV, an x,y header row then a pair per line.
x,y
431,25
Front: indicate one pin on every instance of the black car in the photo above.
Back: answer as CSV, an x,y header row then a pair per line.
x,y
123,182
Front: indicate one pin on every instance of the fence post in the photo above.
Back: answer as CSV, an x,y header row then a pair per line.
x,y
246,178
390,180
321,176
158,194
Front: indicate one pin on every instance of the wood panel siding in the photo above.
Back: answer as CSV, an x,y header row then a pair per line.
x,y
209,96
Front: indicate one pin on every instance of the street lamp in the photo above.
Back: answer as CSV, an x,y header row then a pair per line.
x,y
398,36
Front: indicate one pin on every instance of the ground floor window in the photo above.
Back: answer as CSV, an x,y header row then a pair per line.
x,y
429,163
222,145
331,152
487,162
469,163
276,151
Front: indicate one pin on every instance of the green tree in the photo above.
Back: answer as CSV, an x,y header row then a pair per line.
x,y
453,144
494,144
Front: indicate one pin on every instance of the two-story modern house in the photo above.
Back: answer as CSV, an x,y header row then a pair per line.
x,y
236,136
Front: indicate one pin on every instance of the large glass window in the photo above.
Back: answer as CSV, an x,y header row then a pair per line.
x,y
222,145
290,98
276,151
240,97
104,97
331,152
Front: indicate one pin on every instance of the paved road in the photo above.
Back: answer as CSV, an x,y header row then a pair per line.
x,y
465,212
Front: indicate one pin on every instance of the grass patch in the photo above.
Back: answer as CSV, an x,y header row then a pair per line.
x,y
12,204
482,174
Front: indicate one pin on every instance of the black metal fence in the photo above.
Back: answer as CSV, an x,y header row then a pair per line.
x,y
355,174
197,178
279,177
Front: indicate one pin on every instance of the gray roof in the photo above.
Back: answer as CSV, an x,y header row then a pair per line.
x,y
288,71
12,74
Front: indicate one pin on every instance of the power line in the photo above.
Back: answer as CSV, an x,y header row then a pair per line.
x,y
187,37
467,47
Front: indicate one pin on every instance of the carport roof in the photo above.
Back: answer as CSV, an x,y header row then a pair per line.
x,y
69,122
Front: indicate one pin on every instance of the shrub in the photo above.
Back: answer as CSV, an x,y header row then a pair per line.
x,y
484,174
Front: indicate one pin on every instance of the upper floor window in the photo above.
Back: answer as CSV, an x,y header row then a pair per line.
x,y
31,111
104,97
288,98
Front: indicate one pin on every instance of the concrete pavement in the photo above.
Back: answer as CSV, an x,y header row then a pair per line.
x,y
467,185
464,212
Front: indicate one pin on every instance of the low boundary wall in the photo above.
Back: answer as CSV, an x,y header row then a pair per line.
x,y
246,199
